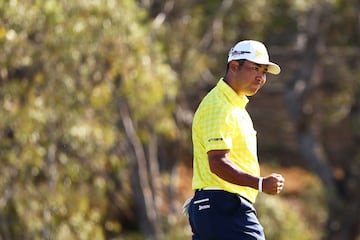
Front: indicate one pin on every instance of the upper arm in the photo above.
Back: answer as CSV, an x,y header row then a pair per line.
x,y
217,156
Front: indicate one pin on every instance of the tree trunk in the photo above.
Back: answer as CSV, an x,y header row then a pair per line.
x,y
344,221
343,218
300,87
140,180
6,206
47,231
154,172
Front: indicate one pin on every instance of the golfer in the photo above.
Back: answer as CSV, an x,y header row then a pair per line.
x,y
226,176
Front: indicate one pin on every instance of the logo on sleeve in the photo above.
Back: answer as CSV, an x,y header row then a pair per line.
x,y
215,139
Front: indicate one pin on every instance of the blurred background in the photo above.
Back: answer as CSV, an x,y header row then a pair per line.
x,y
97,99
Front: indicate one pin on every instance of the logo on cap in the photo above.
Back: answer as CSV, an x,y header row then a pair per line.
x,y
236,53
259,53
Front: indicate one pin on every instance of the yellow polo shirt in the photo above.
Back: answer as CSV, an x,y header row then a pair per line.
x,y
222,122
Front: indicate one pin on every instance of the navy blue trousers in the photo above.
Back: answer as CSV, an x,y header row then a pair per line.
x,y
220,215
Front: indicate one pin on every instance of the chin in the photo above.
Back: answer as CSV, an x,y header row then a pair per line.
x,y
251,94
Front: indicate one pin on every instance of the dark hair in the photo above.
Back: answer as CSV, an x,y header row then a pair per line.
x,y
240,61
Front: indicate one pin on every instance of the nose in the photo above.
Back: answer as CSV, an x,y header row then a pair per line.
x,y
261,76
261,79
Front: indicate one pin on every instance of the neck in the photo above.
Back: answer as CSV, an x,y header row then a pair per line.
x,y
229,82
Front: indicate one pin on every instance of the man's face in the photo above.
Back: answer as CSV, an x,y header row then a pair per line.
x,y
250,77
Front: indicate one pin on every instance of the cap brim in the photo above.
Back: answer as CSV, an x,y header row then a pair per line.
x,y
273,68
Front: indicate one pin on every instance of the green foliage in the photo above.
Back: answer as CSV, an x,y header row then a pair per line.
x,y
59,67
299,216
280,220
66,65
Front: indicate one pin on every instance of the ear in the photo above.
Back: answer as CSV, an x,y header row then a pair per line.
x,y
233,66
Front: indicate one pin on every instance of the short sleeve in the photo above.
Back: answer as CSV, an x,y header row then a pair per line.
x,y
219,131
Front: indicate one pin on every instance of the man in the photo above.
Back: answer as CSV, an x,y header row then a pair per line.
x,y
226,176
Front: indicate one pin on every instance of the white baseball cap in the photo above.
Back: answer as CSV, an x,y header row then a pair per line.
x,y
253,51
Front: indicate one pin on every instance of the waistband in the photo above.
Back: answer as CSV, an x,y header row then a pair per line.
x,y
220,189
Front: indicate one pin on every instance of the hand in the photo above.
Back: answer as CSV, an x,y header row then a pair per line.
x,y
273,184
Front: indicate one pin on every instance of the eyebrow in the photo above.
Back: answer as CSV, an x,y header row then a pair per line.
x,y
259,65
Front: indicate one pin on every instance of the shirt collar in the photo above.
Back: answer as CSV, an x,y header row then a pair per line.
x,y
231,95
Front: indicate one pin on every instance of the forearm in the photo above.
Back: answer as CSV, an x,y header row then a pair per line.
x,y
230,172
223,167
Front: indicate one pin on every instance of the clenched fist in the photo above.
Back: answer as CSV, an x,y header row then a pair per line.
x,y
273,184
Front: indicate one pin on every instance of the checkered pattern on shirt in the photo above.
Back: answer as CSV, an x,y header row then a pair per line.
x,y
222,122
